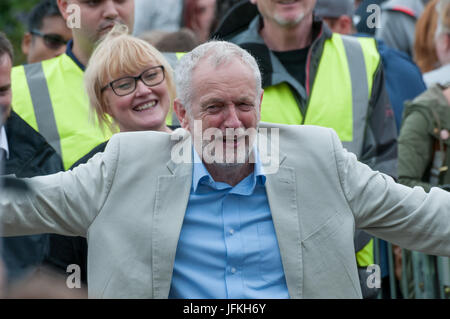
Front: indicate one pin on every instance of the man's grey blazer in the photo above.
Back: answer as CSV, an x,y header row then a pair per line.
x,y
130,202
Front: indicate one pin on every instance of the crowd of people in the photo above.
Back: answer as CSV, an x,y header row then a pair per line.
x,y
357,110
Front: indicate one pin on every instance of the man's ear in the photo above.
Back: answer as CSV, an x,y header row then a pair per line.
x,y
260,103
62,5
26,43
181,113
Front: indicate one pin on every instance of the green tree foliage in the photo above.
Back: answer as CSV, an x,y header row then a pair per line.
x,y
13,23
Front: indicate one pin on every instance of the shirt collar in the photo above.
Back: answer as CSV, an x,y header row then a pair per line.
x,y
69,52
201,175
4,141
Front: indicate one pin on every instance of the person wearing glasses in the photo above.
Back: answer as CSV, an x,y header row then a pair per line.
x,y
135,96
50,96
130,87
47,34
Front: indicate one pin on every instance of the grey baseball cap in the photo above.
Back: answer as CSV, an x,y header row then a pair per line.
x,y
334,8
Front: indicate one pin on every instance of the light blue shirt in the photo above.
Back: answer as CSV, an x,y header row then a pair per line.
x,y
227,246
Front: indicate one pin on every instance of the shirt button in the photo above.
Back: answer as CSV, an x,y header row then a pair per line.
x,y
233,270
231,231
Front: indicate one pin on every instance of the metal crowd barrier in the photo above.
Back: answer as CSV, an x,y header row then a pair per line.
x,y
423,276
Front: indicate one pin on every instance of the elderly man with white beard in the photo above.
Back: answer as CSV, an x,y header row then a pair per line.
x,y
161,227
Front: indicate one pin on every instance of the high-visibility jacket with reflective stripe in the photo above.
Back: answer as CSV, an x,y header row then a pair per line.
x,y
50,97
339,97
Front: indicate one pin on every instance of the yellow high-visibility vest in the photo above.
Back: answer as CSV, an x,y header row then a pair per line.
x,y
339,97
51,98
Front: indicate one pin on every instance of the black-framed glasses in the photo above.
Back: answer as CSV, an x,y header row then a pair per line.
x,y
126,85
51,40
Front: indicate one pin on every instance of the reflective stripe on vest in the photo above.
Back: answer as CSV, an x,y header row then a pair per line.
x,y
360,92
339,96
45,118
50,97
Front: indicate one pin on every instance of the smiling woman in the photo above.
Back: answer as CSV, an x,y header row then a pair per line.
x,y
129,83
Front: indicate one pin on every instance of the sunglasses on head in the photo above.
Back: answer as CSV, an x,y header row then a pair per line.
x,y
51,41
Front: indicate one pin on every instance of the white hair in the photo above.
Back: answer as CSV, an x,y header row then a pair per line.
x,y
217,53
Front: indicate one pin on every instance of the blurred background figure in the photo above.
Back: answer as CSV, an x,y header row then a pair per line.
x,y
170,19
337,14
199,16
157,15
426,121
130,87
398,20
43,283
183,40
442,45
50,96
47,33
424,49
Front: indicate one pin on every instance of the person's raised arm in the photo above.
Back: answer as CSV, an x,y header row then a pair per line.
x,y
64,203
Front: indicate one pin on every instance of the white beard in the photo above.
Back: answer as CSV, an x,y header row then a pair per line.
x,y
289,22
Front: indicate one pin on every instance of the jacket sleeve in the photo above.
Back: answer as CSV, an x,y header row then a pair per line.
x,y
408,217
65,203
380,140
414,151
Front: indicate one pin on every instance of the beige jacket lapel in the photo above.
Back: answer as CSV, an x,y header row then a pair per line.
x,y
281,189
172,196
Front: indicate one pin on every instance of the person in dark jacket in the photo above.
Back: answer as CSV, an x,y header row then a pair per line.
x,y
312,76
25,153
